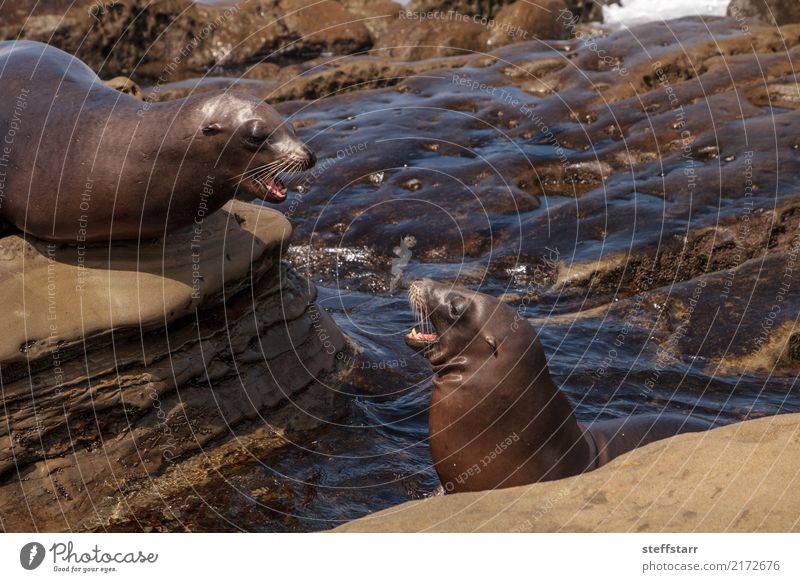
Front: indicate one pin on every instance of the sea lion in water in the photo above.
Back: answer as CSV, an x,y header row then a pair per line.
x,y
82,162
496,417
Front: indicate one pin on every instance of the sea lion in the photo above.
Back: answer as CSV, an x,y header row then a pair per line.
x,y
496,417
82,162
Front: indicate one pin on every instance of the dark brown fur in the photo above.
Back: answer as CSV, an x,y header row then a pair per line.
x,y
89,163
496,418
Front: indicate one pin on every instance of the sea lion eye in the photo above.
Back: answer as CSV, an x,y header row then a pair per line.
x,y
212,129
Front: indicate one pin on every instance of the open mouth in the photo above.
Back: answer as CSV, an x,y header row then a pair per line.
x,y
421,341
427,338
267,178
271,187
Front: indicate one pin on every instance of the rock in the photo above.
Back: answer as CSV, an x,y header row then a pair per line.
x,y
414,39
507,144
167,40
319,27
141,376
738,478
589,10
426,35
772,12
471,7
263,89
377,16
584,10
525,21
312,80
125,85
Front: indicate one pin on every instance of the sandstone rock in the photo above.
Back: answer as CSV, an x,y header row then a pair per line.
x,y
125,85
472,7
425,35
178,89
377,16
321,27
589,10
412,39
584,10
312,80
169,38
135,377
525,21
739,478
772,12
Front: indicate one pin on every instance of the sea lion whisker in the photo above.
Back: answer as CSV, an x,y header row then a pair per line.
x,y
421,317
245,174
285,168
253,171
264,174
263,168
295,166
274,171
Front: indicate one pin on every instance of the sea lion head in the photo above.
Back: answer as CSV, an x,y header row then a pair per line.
x,y
256,145
464,327
493,401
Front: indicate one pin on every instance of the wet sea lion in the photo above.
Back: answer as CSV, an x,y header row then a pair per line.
x,y
496,417
82,162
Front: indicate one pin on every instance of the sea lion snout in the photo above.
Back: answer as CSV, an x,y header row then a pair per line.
x,y
419,298
291,148
259,147
448,316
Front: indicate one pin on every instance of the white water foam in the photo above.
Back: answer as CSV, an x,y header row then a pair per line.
x,y
639,11
633,12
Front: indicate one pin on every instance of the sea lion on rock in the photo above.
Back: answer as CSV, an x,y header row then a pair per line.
x,y
496,417
81,162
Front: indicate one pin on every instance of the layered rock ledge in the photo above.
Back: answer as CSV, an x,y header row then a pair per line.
x,y
739,478
137,379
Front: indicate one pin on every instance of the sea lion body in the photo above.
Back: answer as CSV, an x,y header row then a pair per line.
x,y
83,162
496,418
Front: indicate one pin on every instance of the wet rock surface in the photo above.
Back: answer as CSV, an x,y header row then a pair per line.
x,y
136,400
472,7
377,15
774,12
585,10
739,478
173,40
314,79
524,21
170,39
416,39
648,173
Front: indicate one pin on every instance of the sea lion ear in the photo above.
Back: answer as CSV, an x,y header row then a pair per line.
x,y
492,342
212,129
